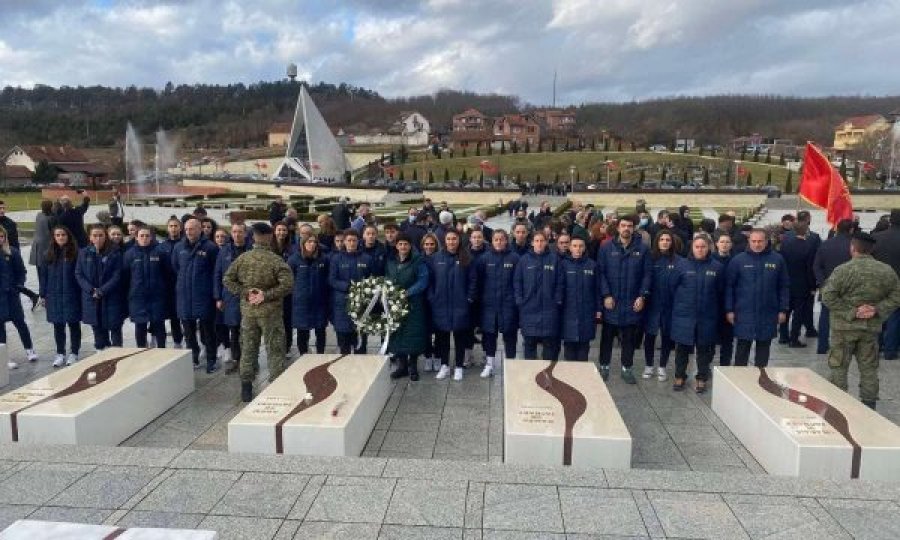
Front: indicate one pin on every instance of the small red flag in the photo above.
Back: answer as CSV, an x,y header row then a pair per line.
x,y
742,171
822,186
611,165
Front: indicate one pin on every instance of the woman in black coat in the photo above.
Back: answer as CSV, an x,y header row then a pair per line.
x,y
451,292
310,268
428,247
407,269
722,252
497,307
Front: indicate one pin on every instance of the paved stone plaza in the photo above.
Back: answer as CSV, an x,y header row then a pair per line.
x,y
432,469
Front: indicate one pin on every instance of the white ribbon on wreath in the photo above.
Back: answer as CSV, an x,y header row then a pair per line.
x,y
380,294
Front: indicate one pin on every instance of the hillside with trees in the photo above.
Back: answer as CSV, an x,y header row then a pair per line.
x,y
239,115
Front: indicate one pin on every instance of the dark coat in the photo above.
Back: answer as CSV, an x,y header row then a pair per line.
x,y
538,291
231,311
343,269
799,255
451,291
311,293
495,271
166,247
145,272
378,254
411,275
101,271
887,247
581,299
834,252
61,290
697,287
625,274
73,220
12,231
659,306
756,292
12,276
194,266
341,216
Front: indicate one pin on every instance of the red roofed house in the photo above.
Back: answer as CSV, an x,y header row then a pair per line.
x,y
471,127
518,128
72,164
851,131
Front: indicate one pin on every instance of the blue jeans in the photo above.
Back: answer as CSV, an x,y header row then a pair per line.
x,y
824,343
890,336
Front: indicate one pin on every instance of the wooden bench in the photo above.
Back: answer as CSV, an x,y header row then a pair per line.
x,y
323,404
560,413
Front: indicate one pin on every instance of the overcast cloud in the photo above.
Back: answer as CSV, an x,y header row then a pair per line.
x,y
602,49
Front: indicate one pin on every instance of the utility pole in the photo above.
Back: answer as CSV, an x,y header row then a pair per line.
x,y
554,88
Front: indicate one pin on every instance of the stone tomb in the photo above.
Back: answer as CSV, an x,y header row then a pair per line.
x,y
796,423
323,404
560,413
101,400
27,529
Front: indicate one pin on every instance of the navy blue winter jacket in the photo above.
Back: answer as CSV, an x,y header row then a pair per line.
x,y
625,274
103,272
194,267
311,291
538,291
756,292
345,268
231,311
498,311
147,273
581,298
697,287
451,291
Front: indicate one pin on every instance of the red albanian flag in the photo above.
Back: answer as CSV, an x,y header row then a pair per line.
x,y
822,186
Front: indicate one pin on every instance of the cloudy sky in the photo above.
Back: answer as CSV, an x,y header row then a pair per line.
x,y
602,49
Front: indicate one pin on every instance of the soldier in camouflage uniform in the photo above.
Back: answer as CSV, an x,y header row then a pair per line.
x,y
261,279
861,294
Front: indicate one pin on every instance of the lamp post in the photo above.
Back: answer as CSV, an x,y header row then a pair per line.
x,y
572,177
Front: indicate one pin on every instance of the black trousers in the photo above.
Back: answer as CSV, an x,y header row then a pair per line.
x,y
346,342
157,329
177,334
59,335
742,352
576,350
628,338
549,348
22,329
207,329
105,337
726,343
303,340
665,350
442,346
287,312
489,344
704,359
801,315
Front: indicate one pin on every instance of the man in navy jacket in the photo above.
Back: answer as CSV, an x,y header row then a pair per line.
x,y
194,263
834,252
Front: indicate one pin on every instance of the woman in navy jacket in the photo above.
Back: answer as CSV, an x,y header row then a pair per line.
x,y
428,247
377,253
284,244
99,274
697,286
62,295
145,272
227,304
497,314
451,291
664,256
167,246
538,293
477,248
722,253
310,268
346,267
581,300
12,276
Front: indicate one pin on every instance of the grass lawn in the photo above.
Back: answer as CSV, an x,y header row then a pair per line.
x,y
588,164
21,201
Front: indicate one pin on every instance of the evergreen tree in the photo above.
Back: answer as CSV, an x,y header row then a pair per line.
x,y
502,147
404,153
44,173
578,176
593,144
769,155
663,177
478,148
446,175
619,178
769,178
556,179
537,179
705,176
514,147
527,146
606,144
781,160
756,155
463,178
490,149
749,178
401,176
415,175
743,153
481,178
430,176
684,176
392,160
843,168
464,152
642,177
619,145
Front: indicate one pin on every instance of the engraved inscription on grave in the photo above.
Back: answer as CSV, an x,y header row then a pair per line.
x,y
537,415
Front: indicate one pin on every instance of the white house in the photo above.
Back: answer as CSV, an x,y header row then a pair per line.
x,y
411,129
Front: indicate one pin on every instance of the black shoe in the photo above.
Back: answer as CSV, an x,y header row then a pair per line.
x,y
413,375
869,404
246,392
783,341
891,356
34,303
400,372
797,344
812,333
212,368
678,385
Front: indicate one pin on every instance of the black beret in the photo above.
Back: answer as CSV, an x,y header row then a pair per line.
x,y
864,237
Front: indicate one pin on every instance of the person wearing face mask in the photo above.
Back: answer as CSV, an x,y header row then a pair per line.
x,y
451,293
581,301
99,274
538,292
697,286
497,309
145,272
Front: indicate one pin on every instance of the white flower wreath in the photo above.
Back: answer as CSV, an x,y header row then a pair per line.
x,y
367,296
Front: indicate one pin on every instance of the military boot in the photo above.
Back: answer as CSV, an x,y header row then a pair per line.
x,y
402,369
246,392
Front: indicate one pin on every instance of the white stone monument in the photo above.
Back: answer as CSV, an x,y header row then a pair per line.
x,y
560,413
28,529
796,423
101,400
4,365
324,404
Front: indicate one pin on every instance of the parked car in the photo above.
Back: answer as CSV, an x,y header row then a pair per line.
x,y
650,184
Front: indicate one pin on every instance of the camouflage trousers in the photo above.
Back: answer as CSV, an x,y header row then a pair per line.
x,y
864,346
271,329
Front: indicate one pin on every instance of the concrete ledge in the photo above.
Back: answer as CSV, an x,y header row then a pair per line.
x,y
88,455
221,461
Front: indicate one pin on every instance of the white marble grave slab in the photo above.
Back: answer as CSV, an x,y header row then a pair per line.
x,y
4,365
101,400
796,423
560,413
348,393
27,529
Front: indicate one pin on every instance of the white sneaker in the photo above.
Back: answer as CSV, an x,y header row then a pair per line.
x,y
487,371
443,373
467,359
457,374
32,356
12,365
59,361
648,372
661,374
71,359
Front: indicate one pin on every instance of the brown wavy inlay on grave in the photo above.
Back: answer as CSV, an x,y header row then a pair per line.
x,y
104,371
825,410
572,400
321,384
115,534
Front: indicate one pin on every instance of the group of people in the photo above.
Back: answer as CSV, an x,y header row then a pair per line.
x,y
554,278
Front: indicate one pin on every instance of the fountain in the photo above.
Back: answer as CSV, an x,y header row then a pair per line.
x,y
134,160
134,156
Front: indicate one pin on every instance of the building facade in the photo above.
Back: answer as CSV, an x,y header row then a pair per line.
x,y
852,131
